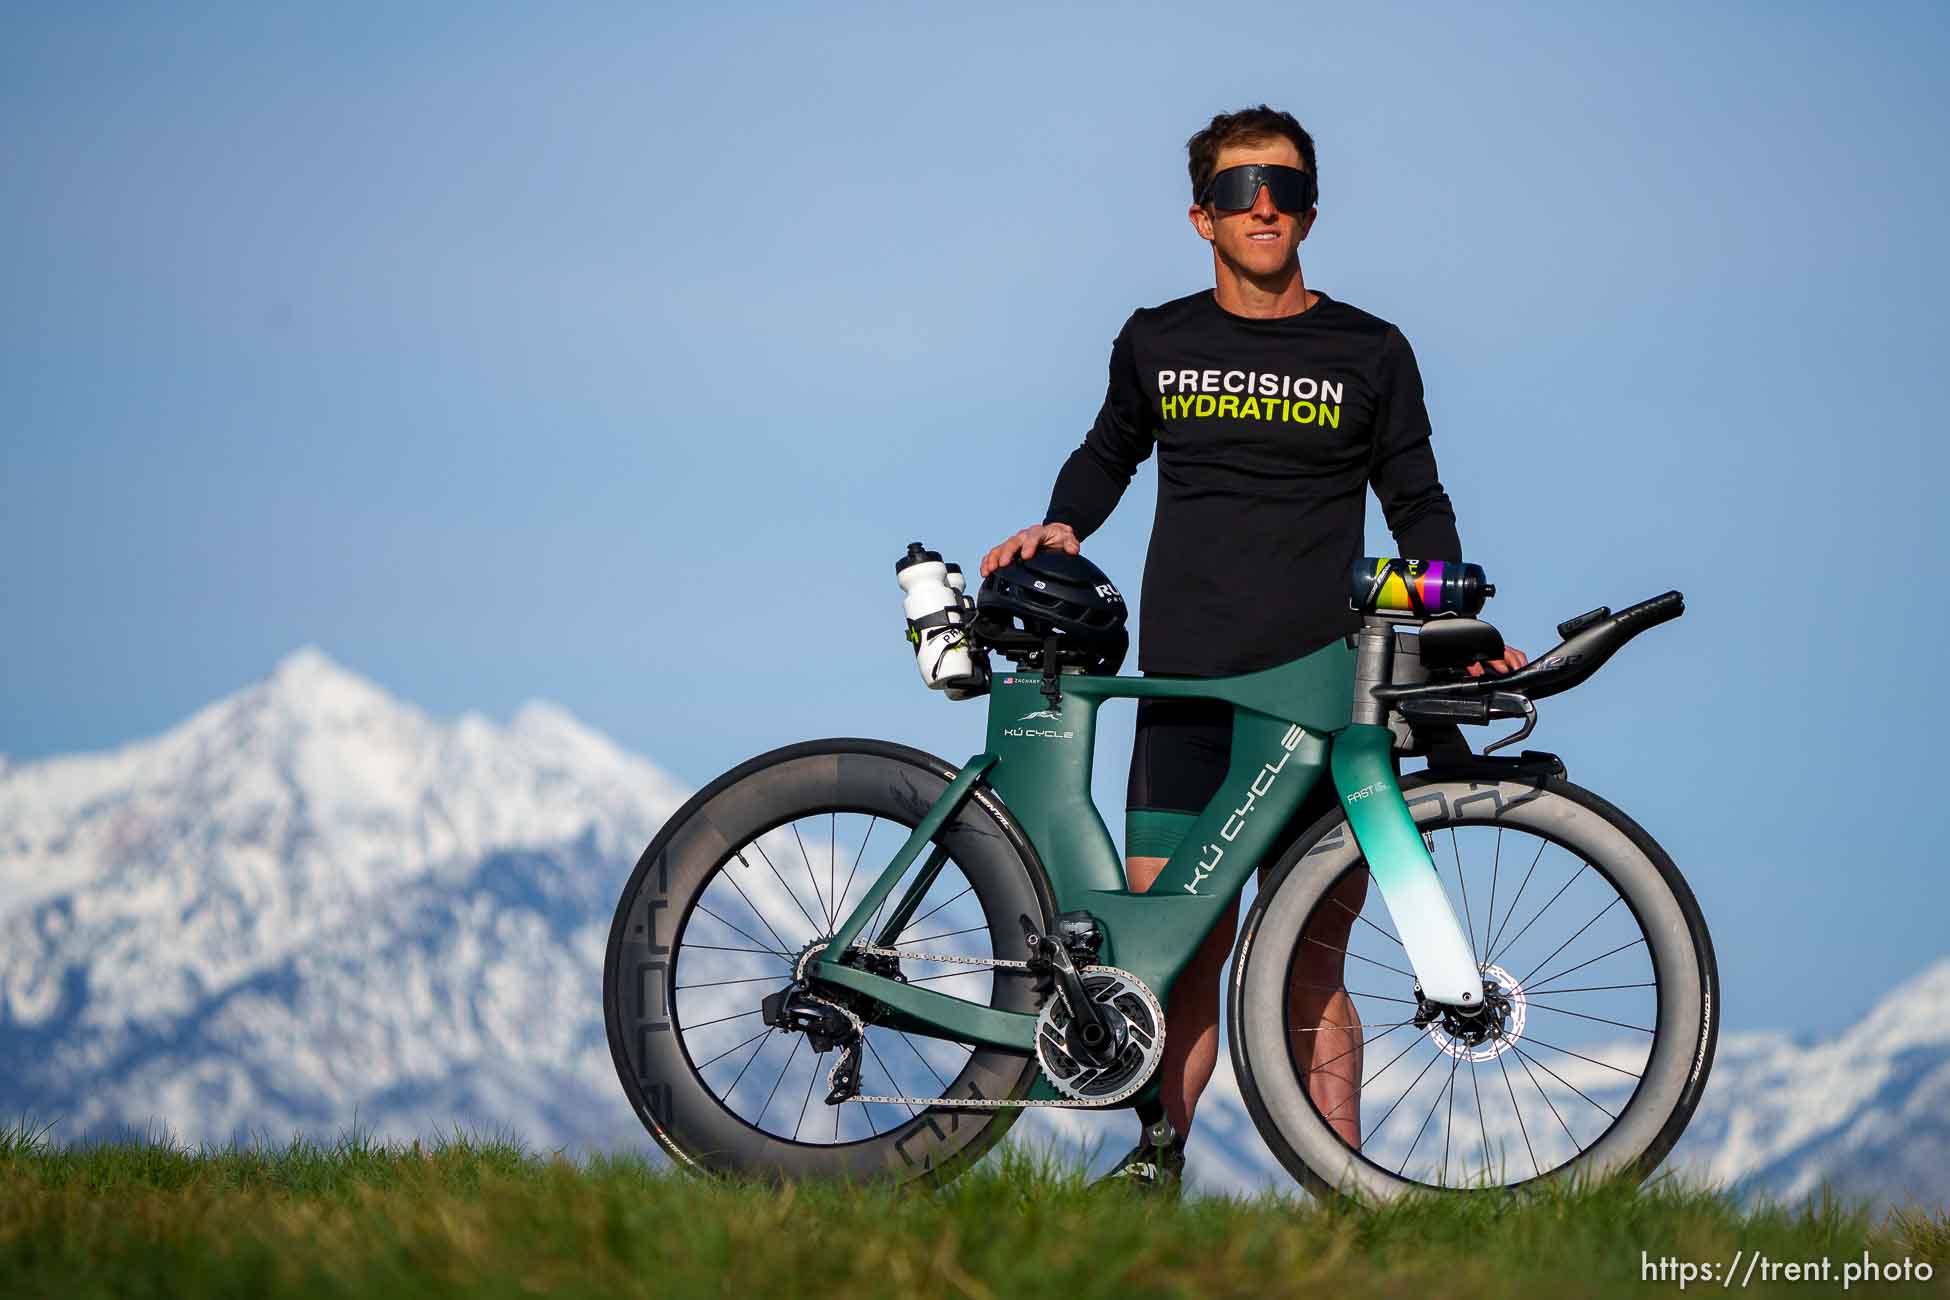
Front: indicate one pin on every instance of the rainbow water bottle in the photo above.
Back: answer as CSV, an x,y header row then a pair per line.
x,y
1417,588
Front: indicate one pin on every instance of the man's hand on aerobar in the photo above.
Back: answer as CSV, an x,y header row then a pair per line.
x,y
1512,660
1060,537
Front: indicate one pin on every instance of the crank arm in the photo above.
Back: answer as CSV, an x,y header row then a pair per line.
x,y
1399,861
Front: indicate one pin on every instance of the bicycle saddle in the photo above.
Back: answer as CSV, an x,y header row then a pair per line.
x,y
1450,643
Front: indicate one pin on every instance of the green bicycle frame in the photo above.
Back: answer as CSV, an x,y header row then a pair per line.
x,y
1291,723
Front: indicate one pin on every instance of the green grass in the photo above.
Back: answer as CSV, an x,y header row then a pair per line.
x,y
484,1217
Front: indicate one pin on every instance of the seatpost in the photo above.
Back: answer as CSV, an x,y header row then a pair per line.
x,y
1374,664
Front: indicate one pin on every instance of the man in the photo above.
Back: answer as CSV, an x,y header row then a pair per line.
x,y
1273,407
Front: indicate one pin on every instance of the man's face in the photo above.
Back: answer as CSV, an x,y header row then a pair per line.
x,y
1260,241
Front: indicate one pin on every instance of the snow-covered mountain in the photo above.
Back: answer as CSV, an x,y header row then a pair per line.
x,y
310,900
310,905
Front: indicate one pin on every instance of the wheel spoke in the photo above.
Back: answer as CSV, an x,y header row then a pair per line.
x,y
1518,1111
1426,1118
1581,965
1532,992
1481,1122
1560,1078
781,951
892,1082
783,945
1449,1123
1496,867
712,984
736,1015
1615,899
1369,1081
1545,908
729,1050
767,859
811,879
1521,1060
1504,924
949,934
925,915
741,1072
1462,881
1358,957
1382,1122
713,947
1532,1038
1370,924
1339,988
1600,1019
924,1061
1361,1046
871,823
758,1120
811,1079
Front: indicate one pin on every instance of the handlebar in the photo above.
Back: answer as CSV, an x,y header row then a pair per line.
x,y
1588,643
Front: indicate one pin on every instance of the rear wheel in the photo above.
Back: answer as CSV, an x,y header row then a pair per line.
x,y
763,863
1600,975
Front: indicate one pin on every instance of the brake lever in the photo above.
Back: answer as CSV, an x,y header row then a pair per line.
x,y
1524,707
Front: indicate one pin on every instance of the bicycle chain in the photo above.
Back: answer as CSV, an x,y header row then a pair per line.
x,y
966,1103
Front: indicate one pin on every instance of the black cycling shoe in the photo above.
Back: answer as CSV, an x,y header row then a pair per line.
x,y
1155,1165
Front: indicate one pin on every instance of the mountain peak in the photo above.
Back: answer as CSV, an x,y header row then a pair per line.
x,y
308,663
313,683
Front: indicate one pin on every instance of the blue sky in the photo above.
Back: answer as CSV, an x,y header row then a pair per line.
x,y
611,354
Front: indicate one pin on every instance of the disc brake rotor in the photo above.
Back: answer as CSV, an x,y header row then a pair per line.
x,y
1489,1031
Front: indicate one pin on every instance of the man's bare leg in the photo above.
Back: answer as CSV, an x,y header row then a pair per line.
x,y
1326,1030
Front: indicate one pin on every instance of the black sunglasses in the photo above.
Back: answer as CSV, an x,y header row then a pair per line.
x,y
1237,188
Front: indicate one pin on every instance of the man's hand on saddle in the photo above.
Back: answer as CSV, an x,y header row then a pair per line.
x,y
1512,660
1036,537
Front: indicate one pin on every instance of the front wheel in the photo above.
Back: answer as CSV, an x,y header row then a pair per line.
x,y
1588,1057
764,863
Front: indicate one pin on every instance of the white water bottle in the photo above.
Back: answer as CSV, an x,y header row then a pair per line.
x,y
936,621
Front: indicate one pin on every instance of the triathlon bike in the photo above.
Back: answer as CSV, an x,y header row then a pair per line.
x,y
849,958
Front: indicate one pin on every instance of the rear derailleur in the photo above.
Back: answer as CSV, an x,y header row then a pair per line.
x,y
797,1009
827,1023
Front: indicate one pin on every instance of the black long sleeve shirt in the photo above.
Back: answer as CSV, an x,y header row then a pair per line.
x,y
1268,434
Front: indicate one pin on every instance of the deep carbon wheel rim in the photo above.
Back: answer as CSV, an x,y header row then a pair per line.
x,y
1659,906
898,784
1544,1084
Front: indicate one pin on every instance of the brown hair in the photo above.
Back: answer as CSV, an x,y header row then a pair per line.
x,y
1244,127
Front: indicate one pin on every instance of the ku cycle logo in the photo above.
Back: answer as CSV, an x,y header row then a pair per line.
x,y
1214,852
1039,733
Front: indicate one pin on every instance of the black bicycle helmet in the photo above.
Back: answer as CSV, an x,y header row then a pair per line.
x,y
1055,593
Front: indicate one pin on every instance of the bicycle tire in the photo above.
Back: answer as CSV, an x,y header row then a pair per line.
x,y
1678,948
644,1014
